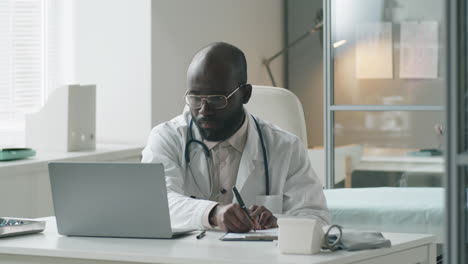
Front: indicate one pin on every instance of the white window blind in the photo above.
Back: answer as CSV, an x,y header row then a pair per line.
x,y
22,66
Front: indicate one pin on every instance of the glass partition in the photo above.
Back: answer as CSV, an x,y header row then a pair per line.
x,y
391,149
388,52
385,78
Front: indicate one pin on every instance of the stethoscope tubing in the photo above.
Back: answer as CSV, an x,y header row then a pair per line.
x,y
192,140
265,160
207,151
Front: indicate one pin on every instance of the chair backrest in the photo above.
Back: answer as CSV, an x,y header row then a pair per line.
x,y
280,107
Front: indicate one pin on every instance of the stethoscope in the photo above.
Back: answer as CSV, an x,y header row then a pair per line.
x,y
191,139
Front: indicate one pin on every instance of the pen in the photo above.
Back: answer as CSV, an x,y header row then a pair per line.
x,y
201,235
242,205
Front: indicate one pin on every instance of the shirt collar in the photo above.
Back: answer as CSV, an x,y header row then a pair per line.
x,y
237,140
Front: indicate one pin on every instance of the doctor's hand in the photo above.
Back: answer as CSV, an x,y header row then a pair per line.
x,y
262,217
230,218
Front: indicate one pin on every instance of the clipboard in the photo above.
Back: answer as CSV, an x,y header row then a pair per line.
x,y
260,235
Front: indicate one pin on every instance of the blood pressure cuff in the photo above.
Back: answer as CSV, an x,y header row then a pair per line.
x,y
357,240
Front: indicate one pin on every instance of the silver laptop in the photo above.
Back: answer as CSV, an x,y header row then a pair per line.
x,y
111,200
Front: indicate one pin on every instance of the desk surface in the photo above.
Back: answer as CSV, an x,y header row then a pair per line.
x,y
183,250
103,152
378,159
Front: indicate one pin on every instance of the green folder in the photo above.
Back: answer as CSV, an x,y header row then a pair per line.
x,y
16,153
426,153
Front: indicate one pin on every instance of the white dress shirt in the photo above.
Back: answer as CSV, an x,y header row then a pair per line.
x,y
224,166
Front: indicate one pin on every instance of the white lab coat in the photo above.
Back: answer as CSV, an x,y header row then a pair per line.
x,y
294,187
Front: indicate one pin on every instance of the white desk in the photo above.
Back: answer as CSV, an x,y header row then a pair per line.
x,y
103,152
351,158
375,159
49,247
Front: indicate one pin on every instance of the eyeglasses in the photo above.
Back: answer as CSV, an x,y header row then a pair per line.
x,y
216,101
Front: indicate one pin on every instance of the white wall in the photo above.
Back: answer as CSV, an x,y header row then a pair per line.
x,y
180,28
61,41
113,51
137,52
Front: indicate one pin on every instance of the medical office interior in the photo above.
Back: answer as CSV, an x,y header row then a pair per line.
x,y
379,98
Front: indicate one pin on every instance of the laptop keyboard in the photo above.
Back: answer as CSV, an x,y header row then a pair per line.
x,y
10,222
14,227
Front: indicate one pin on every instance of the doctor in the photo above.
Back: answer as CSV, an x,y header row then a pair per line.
x,y
216,144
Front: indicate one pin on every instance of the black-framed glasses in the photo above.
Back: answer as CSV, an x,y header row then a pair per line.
x,y
216,101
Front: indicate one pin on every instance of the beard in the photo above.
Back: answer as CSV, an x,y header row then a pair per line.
x,y
220,129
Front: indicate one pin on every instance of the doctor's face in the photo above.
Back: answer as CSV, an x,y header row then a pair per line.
x,y
214,122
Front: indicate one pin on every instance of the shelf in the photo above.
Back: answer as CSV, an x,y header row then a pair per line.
x,y
103,152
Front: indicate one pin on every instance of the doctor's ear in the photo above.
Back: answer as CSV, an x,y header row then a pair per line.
x,y
246,93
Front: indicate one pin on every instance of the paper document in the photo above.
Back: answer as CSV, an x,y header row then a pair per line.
x,y
374,57
419,50
259,235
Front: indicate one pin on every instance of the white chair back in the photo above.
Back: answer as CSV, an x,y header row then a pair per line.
x,y
280,107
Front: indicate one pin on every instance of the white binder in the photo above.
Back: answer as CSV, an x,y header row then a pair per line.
x,y
67,122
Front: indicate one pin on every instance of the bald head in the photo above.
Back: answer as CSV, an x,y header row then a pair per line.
x,y
221,59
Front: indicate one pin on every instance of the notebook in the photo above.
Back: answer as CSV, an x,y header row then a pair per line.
x,y
259,235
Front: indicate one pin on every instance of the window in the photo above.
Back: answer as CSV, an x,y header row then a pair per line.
x,y
22,65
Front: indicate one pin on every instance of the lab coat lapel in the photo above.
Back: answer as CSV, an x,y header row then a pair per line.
x,y
251,157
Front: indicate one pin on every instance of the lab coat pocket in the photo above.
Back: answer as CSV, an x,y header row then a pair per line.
x,y
274,203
